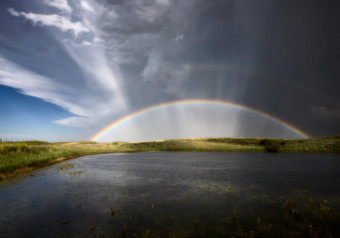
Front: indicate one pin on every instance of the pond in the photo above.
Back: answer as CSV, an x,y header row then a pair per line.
x,y
176,194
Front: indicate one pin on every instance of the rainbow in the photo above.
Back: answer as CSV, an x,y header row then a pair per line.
x,y
196,101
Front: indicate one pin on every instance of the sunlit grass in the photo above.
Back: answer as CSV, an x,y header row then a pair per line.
x,y
191,145
14,156
316,145
30,154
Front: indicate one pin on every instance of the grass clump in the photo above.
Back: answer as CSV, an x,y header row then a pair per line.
x,y
66,166
76,173
273,147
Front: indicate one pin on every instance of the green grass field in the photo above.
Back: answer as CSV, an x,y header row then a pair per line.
x,y
18,157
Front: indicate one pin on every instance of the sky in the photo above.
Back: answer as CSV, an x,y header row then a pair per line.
x,y
70,68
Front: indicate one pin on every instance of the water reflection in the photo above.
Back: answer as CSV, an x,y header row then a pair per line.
x,y
171,193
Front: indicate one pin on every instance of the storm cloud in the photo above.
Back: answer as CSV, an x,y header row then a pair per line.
x,y
279,57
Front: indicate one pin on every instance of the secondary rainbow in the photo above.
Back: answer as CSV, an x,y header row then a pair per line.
x,y
196,101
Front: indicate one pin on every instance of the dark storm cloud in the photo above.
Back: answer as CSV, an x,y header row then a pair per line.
x,y
277,56
298,52
187,35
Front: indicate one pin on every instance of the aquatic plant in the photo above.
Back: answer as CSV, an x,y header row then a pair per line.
x,y
218,188
66,166
260,196
75,173
93,226
123,230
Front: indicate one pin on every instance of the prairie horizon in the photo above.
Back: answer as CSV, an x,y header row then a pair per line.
x,y
19,157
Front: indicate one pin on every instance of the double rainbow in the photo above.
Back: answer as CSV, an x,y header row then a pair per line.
x,y
121,121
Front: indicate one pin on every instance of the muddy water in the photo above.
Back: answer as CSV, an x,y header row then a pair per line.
x,y
168,193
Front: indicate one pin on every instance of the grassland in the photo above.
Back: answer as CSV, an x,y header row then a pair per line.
x,y
19,157
329,144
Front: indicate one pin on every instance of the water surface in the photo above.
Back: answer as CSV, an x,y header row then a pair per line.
x,y
166,192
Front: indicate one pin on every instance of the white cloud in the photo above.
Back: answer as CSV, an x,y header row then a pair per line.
x,y
101,98
98,98
97,39
92,105
86,43
60,4
13,12
74,121
35,85
179,37
86,6
60,22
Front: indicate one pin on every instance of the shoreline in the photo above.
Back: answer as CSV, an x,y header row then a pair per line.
x,y
18,158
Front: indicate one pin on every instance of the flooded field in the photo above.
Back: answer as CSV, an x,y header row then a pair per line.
x,y
176,194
